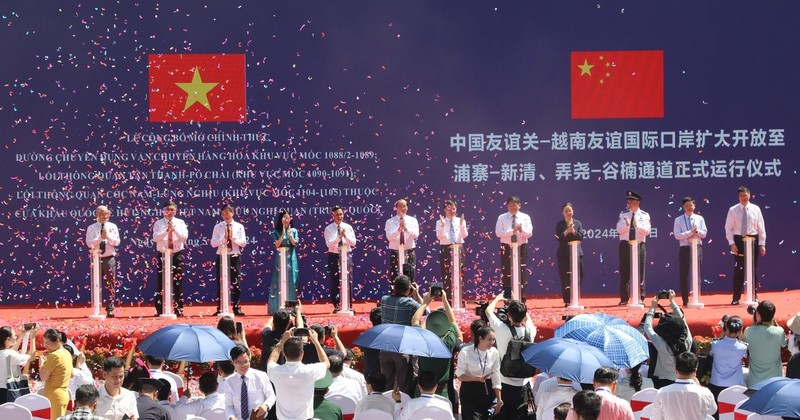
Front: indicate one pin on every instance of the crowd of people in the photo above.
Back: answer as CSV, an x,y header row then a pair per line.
x,y
301,378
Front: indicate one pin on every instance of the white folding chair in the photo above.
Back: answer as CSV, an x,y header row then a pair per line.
x,y
373,414
178,382
216,414
642,399
726,402
433,413
738,413
648,412
403,396
37,404
15,411
347,404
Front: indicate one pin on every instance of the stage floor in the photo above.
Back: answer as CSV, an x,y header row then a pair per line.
x,y
547,313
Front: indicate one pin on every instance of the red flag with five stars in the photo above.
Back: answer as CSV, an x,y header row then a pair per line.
x,y
617,84
197,87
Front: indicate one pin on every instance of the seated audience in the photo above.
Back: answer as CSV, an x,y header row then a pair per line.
x,y
86,397
587,405
147,403
685,399
562,411
547,400
613,407
324,409
427,384
341,385
376,386
349,372
212,398
631,381
156,366
115,402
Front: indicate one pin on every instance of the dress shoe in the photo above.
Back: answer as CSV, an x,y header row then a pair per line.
x,y
623,302
238,312
110,314
734,302
217,313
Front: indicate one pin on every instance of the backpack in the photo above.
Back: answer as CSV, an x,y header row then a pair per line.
x,y
513,365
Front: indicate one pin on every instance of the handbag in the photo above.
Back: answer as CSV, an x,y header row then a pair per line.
x,y
15,387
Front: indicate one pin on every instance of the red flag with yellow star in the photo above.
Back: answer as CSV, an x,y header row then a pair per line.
x,y
197,87
617,84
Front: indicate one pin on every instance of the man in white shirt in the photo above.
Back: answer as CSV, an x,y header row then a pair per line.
x,y
450,230
514,227
170,233
339,237
155,366
208,386
688,226
546,401
428,398
294,381
103,237
402,232
229,239
633,224
613,407
351,373
248,391
375,400
744,220
515,391
342,385
685,399
115,401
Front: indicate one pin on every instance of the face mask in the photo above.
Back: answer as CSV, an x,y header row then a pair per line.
x,y
793,346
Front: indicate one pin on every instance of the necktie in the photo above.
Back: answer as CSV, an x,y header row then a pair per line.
x,y
245,402
745,224
453,230
229,235
170,244
103,242
402,235
514,226
632,230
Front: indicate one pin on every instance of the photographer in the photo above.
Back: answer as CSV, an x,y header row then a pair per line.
x,y
282,320
398,308
671,337
443,324
515,391
765,340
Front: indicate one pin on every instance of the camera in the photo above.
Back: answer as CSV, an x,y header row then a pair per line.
x,y
662,294
239,327
501,314
291,304
301,332
751,309
507,293
29,326
327,329
436,289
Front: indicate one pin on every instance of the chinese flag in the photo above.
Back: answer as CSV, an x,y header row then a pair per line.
x,y
617,84
197,87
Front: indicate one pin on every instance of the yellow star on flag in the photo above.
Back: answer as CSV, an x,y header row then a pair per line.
x,y
197,90
586,68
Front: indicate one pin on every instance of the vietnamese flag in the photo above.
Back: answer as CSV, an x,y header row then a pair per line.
x,y
197,87
617,84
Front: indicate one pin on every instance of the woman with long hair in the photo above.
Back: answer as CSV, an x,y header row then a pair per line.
x,y
631,381
56,371
285,237
10,355
478,369
568,230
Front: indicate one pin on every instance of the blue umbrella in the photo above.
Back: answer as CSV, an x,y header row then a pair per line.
x,y
622,343
776,398
191,343
567,358
403,339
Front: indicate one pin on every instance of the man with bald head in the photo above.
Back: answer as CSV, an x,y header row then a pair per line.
x,y
402,232
103,236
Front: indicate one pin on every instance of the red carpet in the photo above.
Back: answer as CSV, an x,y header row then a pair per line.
x,y
547,312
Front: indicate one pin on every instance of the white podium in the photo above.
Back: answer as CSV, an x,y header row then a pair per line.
x,y
575,276
515,271
749,271
224,282
96,287
166,289
635,301
344,282
695,273
455,276
283,272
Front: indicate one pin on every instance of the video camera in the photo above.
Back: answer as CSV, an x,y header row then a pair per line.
x,y
480,310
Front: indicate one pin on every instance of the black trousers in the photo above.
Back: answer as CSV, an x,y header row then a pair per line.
x,y
334,275
506,266
177,283
108,275
400,369
234,270
685,267
476,399
738,267
625,270
446,265
515,402
565,273
394,268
